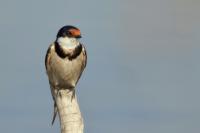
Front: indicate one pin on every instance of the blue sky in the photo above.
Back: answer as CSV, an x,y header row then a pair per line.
x,y
142,73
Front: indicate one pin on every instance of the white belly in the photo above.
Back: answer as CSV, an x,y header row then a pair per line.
x,y
63,72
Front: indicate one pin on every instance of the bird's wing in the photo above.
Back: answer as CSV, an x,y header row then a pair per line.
x,y
84,62
85,56
47,59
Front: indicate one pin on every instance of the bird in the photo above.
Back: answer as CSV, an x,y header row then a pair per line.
x,y
65,61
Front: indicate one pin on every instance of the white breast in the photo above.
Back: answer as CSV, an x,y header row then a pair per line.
x,y
67,43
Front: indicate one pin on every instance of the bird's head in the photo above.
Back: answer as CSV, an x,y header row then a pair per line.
x,y
69,31
68,37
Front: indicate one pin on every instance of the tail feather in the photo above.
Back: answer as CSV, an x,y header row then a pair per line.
x,y
57,93
54,113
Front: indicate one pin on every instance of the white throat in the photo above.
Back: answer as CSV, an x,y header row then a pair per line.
x,y
67,43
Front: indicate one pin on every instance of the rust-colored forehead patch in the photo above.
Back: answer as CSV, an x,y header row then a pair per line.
x,y
75,32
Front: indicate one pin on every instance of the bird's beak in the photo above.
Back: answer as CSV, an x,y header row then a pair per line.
x,y
79,36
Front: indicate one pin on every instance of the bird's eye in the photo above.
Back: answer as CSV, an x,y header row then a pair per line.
x,y
69,33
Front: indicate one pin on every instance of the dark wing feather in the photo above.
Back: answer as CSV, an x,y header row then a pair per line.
x,y
84,61
85,54
47,56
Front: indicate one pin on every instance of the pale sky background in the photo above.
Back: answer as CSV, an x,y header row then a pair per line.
x,y
143,72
